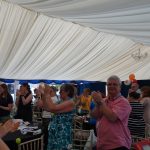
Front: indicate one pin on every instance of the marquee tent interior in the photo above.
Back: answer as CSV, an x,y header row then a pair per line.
x,y
74,39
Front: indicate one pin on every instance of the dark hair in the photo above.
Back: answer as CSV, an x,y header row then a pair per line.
x,y
54,88
4,86
134,95
88,90
27,86
68,88
145,91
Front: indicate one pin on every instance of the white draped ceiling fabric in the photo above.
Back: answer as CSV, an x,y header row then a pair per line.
x,y
73,39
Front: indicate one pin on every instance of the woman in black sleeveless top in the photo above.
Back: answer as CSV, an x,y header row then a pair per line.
x,y
23,103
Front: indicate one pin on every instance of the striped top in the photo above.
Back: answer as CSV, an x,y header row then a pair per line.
x,y
136,122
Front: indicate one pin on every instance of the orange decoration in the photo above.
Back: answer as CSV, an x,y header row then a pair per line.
x,y
131,77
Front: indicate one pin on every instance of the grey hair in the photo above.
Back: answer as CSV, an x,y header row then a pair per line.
x,y
116,78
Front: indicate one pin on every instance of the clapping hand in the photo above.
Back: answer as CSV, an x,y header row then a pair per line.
x,y
97,97
41,88
44,89
18,93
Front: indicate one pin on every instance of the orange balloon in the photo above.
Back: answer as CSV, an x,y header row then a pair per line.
x,y
134,81
131,77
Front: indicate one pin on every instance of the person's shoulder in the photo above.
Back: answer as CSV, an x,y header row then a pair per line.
x,y
122,100
145,100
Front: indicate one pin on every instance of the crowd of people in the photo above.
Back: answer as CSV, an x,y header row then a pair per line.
x,y
117,118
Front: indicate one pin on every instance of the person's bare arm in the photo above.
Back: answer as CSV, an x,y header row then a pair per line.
x,y
3,146
65,106
18,93
8,108
27,100
8,126
109,114
103,108
96,113
78,101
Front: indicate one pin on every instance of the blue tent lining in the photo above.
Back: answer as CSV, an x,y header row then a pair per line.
x,y
48,81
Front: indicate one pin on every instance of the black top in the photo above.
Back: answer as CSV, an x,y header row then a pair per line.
x,y
4,101
24,111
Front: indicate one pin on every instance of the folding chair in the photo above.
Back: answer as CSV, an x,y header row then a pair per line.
x,y
37,117
35,144
77,122
80,140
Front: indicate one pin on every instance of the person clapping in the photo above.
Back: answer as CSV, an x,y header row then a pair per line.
x,y
60,128
112,115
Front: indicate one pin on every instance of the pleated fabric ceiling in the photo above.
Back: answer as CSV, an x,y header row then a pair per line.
x,y
73,40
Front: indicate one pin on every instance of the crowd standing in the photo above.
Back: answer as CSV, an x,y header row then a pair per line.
x,y
114,115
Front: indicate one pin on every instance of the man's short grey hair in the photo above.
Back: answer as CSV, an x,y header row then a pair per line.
x,y
116,78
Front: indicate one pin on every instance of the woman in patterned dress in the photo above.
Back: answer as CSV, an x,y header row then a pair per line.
x,y
60,128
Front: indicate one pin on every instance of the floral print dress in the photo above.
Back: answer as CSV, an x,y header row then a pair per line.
x,y
60,131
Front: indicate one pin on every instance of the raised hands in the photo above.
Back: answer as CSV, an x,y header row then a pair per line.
x,y
44,89
18,93
97,97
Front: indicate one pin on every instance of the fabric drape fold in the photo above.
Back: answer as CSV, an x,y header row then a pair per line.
x,y
35,46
